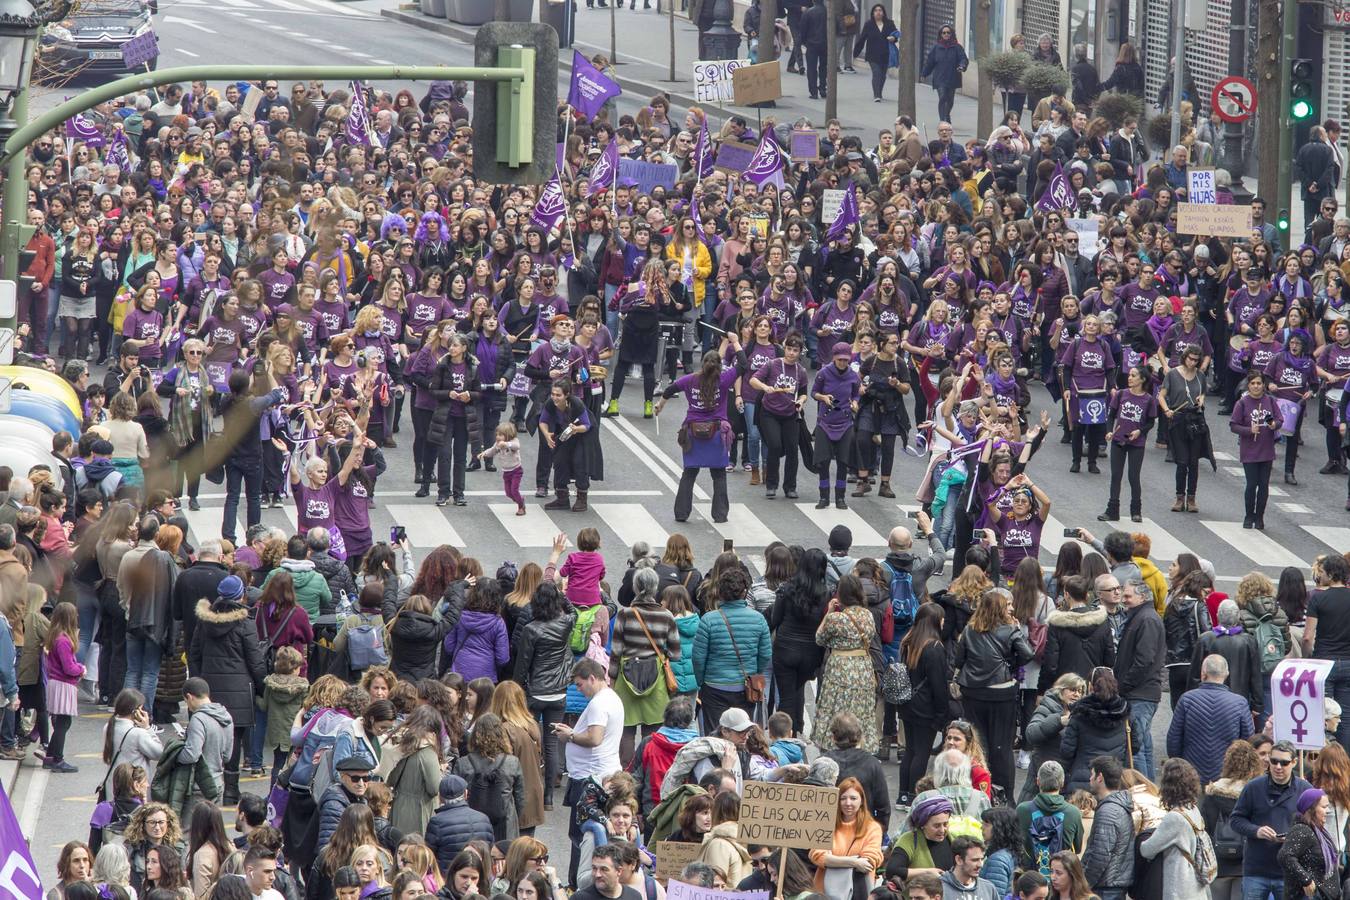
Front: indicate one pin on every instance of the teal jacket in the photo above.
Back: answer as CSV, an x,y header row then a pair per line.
x,y
684,666
714,657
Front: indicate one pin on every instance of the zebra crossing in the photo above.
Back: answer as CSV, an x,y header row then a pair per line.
x,y
303,7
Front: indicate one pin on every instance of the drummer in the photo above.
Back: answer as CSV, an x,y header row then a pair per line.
x,y
1293,382
1248,302
1333,370
1086,367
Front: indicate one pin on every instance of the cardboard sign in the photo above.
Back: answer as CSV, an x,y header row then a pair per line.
x,y
798,816
830,202
1298,689
673,856
712,79
1086,229
1200,187
140,50
648,174
804,145
759,83
678,890
1217,220
249,108
733,157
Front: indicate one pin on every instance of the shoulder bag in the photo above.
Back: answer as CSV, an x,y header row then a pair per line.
x,y
101,792
754,684
672,685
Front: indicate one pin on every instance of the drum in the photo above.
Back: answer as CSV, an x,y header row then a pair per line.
x,y
1236,344
1092,408
1332,398
1289,411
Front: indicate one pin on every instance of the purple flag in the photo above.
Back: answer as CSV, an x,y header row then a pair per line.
x,y
1058,195
703,155
698,220
358,119
848,215
548,212
81,128
19,879
590,88
767,163
117,153
605,170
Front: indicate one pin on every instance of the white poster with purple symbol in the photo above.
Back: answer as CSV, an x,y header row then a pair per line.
x,y
1298,690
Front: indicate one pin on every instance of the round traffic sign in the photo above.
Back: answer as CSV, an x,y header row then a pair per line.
x,y
1233,99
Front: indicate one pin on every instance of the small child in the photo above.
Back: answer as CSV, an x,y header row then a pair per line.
x,y
507,451
584,568
95,406
283,693
786,748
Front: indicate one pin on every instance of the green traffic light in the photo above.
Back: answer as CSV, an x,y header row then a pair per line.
x,y
1283,223
1301,110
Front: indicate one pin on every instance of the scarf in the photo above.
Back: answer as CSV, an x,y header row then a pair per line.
x,y
1303,364
1330,858
487,355
1158,327
559,346
1221,630
1003,388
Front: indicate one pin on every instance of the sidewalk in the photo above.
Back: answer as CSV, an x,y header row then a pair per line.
x,y
644,63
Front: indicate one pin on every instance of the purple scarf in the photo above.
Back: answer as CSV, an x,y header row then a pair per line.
x,y
1158,328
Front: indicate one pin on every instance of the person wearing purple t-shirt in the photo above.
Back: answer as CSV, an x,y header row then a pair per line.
x,y
1018,531
316,494
145,324
1138,298
1246,305
1086,369
705,437
782,386
1256,421
1131,415
456,389
1293,379
278,282
836,391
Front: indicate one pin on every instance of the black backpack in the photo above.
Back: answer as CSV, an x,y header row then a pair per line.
x,y
489,790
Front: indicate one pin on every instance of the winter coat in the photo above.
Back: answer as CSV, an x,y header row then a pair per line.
x,y
477,646
332,803
1174,840
1258,609
526,747
1096,728
442,382
505,771
1140,655
932,692
1204,722
858,763
722,849
684,666
1216,805
1049,804
335,573
174,784
1240,649
544,663
150,614
652,760
1184,621
1077,640
1263,802
414,638
208,741
452,827
130,744
873,43
199,581
225,651
286,628
986,660
944,65
282,698
415,781
1303,862
1043,734
714,657
311,588
1108,858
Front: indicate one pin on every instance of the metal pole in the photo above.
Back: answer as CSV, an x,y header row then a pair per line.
x,y
1237,64
1178,74
613,30
672,39
15,198
1288,37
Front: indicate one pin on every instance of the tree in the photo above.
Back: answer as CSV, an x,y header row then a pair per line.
x,y
910,51
985,107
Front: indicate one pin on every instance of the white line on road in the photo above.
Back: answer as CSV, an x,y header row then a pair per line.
x,y
1298,508
188,22
631,522
534,529
1336,538
864,535
186,52
427,527
1255,545
383,494
742,525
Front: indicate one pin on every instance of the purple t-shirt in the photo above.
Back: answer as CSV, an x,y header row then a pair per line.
x,y
782,312
1179,340
1138,304
458,373
1246,307
833,319
1248,411
312,332
1132,411
351,512
1088,362
333,315
423,362
1332,358
758,355
276,286
255,322
315,507
1017,540
699,411
145,326
223,337
548,308
779,374
424,310
844,388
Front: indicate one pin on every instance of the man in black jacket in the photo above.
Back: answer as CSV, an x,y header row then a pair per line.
x,y
1108,857
1139,667
199,581
814,38
1315,164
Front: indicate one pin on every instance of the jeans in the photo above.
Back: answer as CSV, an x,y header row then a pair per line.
x,y
549,713
1258,488
255,744
815,72
1258,887
246,472
87,607
1338,689
53,304
143,659
752,443
1141,724
946,523
878,78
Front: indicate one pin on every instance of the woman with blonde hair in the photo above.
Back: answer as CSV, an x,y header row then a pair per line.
x,y
188,387
522,731
415,856
368,860
131,450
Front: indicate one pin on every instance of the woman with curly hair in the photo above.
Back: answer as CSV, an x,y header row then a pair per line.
x,y
1241,763
1174,838
164,871
1002,846
152,825
489,758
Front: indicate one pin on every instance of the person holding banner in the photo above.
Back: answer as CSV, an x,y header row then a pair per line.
x,y
1293,383
855,852
1087,369
1255,420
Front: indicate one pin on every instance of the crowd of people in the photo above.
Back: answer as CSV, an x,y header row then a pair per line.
x,y
268,296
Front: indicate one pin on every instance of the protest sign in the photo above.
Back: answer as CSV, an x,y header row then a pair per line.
x,y
758,83
1298,689
673,856
712,79
804,145
759,224
797,816
249,108
1214,220
734,156
830,202
1087,235
678,890
1200,186
648,174
140,50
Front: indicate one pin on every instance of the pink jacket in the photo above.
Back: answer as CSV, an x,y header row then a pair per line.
x,y
583,571
61,662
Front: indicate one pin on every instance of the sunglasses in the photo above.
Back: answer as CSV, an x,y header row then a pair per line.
x,y
358,777
1281,762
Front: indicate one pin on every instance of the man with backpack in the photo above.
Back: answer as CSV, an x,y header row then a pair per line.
x,y
1207,719
1108,858
908,576
1263,813
1047,822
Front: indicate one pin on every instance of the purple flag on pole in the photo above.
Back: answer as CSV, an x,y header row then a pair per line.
x,y
358,120
698,221
1058,194
81,128
767,163
606,168
590,88
117,153
848,215
703,154
18,875
548,212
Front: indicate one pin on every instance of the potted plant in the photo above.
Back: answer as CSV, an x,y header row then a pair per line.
x,y
1005,71
1043,80
1117,106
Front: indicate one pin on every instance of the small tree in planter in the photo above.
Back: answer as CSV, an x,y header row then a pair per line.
x,y
1116,106
1005,71
1042,80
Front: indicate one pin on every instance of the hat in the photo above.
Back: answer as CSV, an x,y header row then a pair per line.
x,y
104,448
286,310
843,348
453,786
194,131
230,588
1201,251
926,809
735,719
841,538
1309,798
353,763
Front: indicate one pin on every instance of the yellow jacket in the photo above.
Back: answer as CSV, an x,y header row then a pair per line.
x,y
1155,580
702,267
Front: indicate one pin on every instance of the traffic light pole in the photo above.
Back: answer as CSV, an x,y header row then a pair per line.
x,y
1284,181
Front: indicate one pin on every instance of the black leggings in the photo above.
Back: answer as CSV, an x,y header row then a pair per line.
x,y
1333,436
1258,488
1094,435
837,450
424,452
1186,454
550,712
648,379
450,456
791,671
878,78
56,749
780,434
1121,456
918,748
34,697
867,456
994,716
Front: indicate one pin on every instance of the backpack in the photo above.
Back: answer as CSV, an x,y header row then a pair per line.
x,y
365,643
488,790
904,604
269,640
1047,838
1228,844
581,628
1270,639
896,686
1204,863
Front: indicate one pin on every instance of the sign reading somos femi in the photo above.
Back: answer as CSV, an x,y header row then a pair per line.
x,y
799,816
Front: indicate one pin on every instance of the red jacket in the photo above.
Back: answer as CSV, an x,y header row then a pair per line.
x,y
656,759
294,631
44,263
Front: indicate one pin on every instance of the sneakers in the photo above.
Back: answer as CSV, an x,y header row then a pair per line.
x,y
12,753
63,767
1023,759
611,409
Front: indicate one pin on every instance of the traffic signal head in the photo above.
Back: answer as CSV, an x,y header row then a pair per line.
x,y
1282,222
1302,101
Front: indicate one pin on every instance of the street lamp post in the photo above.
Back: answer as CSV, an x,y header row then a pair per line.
x,y
722,41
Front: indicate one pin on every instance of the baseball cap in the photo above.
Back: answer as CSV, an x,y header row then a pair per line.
x,y
735,719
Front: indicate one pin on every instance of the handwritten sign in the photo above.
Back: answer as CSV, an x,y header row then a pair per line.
x,y
1298,700
1086,229
734,157
249,108
830,202
759,83
1200,187
678,890
798,816
140,50
1214,220
648,174
712,79
805,145
673,856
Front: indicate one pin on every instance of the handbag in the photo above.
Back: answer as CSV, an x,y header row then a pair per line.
x,y
672,685
754,684
284,776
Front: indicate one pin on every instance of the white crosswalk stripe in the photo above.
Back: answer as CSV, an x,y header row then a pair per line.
x,y
425,524
1255,545
1165,545
535,529
742,525
292,7
1336,538
207,521
864,535
631,522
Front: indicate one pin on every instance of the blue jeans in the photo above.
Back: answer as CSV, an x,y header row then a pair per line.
x,y
86,603
245,473
946,523
752,445
1258,887
143,658
1141,722
53,304
8,739
255,744
1338,687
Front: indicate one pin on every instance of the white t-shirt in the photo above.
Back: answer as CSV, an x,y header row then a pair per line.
x,y
604,709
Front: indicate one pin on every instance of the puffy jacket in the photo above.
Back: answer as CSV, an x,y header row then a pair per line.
x,y
1077,640
683,667
452,827
1216,805
1204,722
1096,728
413,639
1108,858
1140,655
1244,662
653,759
985,659
477,646
544,664
691,754
1185,620
1260,607
225,651
1043,733
311,588
332,804
714,657
336,574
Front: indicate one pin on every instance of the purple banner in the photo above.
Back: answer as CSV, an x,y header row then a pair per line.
x,y
734,157
1058,194
358,119
551,208
848,216
590,89
81,128
18,875
703,153
805,145
605,170
648,175
767,163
